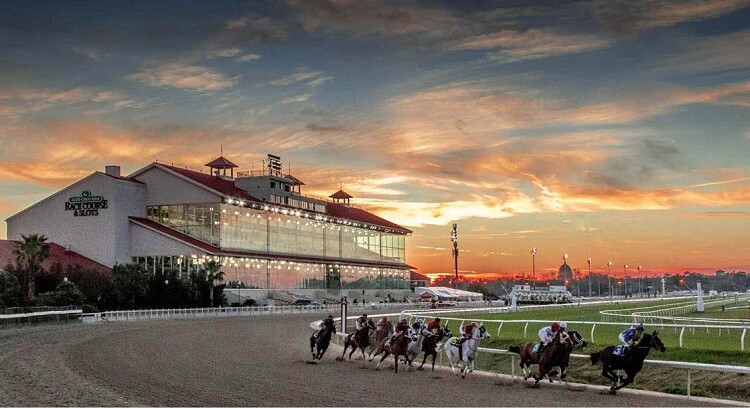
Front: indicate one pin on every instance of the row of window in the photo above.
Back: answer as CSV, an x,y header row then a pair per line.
x,y
232,227
281,274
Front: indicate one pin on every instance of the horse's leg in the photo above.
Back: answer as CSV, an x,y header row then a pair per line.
x,y
423,361
312,346
385,354
433,360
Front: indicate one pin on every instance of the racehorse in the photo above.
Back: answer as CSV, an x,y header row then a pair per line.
x,y
431,345
469,351
360,339
559,356
406,345
319,344
631,362
384,331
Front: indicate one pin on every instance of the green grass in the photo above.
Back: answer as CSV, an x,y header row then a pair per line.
x,y
700,346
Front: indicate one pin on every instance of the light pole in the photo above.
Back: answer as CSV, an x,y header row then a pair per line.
x,y
533,268
609,280
589,261
625,268
454,239
640,282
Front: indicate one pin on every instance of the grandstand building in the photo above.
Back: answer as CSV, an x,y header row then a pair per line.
x,y
265,233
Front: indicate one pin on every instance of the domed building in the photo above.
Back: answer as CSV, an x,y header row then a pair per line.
x,y
565,273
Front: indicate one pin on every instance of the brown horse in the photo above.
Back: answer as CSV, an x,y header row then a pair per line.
x,y
431,345
631,362
569,339
384,331
360,339
319,344
400,346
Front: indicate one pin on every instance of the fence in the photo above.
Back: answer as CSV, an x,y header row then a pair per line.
x,y
687,366
57,314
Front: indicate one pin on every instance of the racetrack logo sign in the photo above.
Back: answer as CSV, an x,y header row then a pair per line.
x,y
86,205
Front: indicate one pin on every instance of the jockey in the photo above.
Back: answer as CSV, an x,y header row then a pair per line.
x,y
416,328
466,333
433,327
401,328
383,322
327,323
630,336
361,322
547,334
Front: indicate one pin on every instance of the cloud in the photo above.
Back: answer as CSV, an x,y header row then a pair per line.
x,y
625,17
180,76
248,58
312,79
226,52
719,215
298,98
535,43
370,17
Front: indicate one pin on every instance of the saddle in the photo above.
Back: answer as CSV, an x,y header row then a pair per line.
x,y
619,351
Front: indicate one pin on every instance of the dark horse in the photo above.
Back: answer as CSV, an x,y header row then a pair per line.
x,y
319,344
560,358
631,362
384,331
431,343
360,339
398,347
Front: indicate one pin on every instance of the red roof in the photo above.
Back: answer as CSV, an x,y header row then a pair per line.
x,y
416,276
341,194
352,213
295,180
219,184
214,250
228,188
57,254
220,163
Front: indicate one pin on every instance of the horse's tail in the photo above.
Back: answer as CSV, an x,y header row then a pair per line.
x,y
594,358
514,349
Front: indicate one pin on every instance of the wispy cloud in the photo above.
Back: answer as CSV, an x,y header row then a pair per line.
x,y
248,58
181,76
512,45
309,78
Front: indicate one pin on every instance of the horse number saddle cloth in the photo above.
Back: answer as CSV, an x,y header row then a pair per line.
x,y
536,348
456,341
619,351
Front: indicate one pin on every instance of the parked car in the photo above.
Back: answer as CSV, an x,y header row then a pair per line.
x,y
305,303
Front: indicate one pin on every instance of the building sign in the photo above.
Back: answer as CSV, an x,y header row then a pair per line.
x,y
86,205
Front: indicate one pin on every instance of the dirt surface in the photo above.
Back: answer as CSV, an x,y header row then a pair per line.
x,y
241,361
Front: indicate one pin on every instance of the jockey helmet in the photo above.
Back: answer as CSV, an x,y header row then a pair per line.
x,y
364,314
330,317
555,326
404,321
563,325
640,327
385,318
437,319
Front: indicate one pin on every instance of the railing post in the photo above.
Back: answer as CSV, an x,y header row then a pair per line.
x,y
524,329
498,329
688,384
742,340
512,366
681,333
592,332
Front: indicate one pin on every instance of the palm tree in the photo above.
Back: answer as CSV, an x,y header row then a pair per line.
x,y
30,253
213,275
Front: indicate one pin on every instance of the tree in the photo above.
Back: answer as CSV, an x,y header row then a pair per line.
x,y
30,253
130,283
11,293
213,275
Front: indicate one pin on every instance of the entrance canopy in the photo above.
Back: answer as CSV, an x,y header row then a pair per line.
x,y
444,293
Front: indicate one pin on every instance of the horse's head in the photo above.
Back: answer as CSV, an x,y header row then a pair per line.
x,y
480,332
656,342
370,324
577,338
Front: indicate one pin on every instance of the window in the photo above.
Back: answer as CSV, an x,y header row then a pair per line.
x,y
273,184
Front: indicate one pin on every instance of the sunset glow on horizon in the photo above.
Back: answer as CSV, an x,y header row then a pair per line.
x,y
610,130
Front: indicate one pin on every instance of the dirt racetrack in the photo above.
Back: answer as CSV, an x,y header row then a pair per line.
x,y
239,361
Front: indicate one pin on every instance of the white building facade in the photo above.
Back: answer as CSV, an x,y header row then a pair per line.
x,y
266,234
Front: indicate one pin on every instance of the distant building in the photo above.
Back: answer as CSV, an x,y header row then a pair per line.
x,y
565,273
265,233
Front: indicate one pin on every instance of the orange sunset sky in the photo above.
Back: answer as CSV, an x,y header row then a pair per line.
x,y
614,130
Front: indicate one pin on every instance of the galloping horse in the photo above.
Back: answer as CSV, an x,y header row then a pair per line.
x,y
403,345
360,339
431,345
631,362
319,344
556,354
470,347
384,331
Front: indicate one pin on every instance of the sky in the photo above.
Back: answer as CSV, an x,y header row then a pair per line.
x,y
612,130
